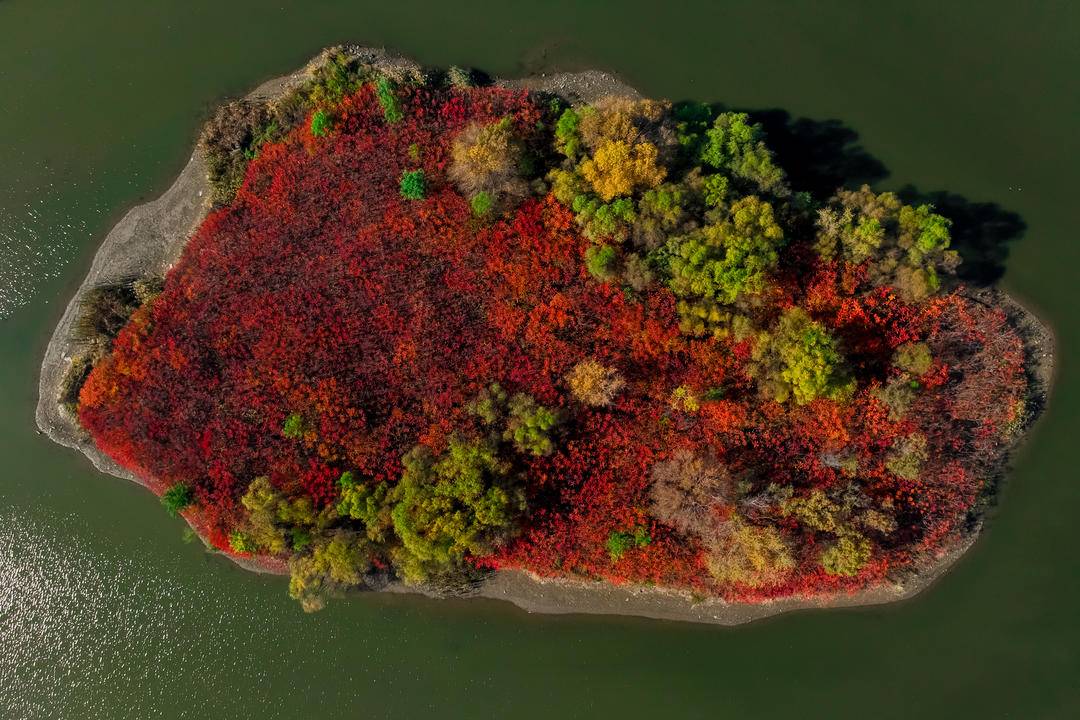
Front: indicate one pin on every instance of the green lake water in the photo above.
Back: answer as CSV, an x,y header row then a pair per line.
x,y
106,613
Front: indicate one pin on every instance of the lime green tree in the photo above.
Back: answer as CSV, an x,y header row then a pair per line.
x,y
903,246
722,264
367,502
462,502
531,425
799,359
736,146
334,563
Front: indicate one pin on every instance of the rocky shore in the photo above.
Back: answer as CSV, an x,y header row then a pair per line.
x,y
151,237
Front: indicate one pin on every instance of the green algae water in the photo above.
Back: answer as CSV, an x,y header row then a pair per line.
x,y
106,613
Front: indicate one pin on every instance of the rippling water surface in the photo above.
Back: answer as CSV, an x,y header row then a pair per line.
x,y
106,613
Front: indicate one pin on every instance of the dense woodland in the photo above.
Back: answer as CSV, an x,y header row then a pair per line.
x,y
434,328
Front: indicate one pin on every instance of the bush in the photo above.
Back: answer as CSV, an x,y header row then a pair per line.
x,y
388,100
460,78
74,378
618,543
228,142
481,204
333,80
600,262
320,123
413,185
847,556
104,310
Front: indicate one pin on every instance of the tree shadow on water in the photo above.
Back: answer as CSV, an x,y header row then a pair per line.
x,y
981,232
821,156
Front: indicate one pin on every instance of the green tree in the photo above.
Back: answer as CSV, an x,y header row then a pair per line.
x,y
599,220
388,100
530,425
903,246
736,146
367,502
914,358
320,123
481,203
413,185
490,404
177,497
261,502
242,543
661,211
907,457
847,556
600,261
567,135
715,190
748,554
722,262
294,427
334,563
799,359
462,502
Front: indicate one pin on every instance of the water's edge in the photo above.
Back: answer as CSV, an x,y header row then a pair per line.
x,y
151,237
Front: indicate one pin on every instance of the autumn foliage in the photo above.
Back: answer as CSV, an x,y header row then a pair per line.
x,y
359,379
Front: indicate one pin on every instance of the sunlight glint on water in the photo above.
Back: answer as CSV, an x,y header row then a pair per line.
x,y
29,258
80,632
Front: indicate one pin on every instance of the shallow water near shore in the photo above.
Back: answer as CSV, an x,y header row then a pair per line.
x,y
105,612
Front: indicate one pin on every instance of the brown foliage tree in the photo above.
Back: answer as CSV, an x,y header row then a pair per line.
x,y
687,491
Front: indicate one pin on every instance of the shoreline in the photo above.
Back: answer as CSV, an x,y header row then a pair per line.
x,y
151,236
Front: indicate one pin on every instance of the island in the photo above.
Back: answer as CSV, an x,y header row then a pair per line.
x,y
545,340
